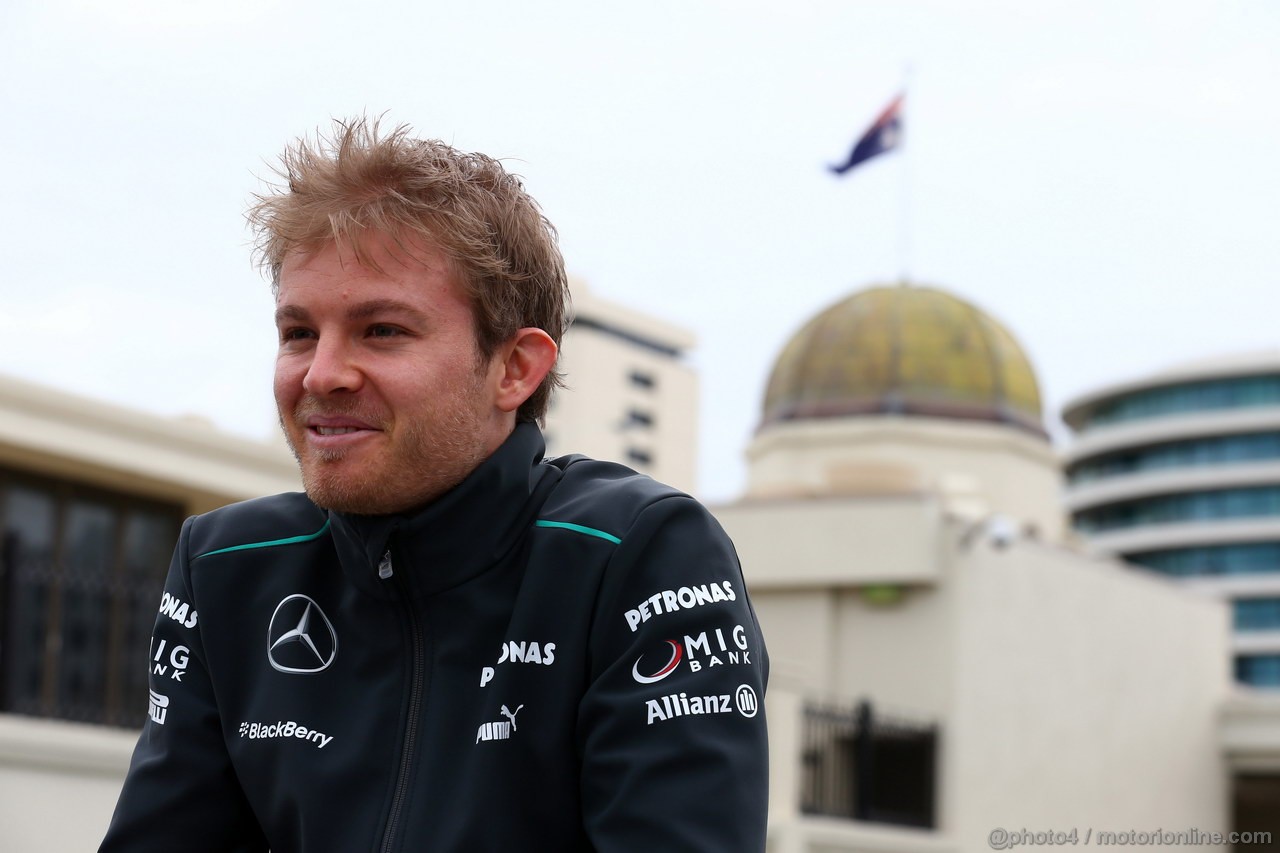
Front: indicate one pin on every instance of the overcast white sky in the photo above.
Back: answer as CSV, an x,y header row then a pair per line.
x,y
1102,177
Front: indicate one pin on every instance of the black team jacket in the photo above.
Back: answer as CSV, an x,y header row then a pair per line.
x,y
556,655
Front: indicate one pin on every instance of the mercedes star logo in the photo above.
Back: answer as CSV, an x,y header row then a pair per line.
x,y
300,638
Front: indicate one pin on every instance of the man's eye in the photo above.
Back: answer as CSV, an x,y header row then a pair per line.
x,y
294,334
381,331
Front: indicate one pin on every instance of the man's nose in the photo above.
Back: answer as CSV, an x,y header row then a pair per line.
x,y
333,368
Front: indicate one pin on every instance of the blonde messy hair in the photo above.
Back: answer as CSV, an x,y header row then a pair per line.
x,y
358,181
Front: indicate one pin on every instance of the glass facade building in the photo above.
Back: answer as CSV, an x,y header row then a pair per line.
x,y
1180,474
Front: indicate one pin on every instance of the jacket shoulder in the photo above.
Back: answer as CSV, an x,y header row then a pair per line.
x,y
254,523
603,496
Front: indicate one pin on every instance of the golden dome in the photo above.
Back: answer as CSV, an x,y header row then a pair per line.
x,y
904,350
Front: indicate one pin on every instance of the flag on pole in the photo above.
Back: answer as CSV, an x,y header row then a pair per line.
x,y
885,134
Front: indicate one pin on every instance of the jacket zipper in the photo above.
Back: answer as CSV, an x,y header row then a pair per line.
x,y
386,571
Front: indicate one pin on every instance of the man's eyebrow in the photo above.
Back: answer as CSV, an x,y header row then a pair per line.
x,y
376,307
359,311
291,312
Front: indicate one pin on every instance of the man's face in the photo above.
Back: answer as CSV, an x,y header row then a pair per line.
x,y
381,390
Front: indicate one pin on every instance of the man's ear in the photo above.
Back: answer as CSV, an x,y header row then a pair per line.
x,y
524,361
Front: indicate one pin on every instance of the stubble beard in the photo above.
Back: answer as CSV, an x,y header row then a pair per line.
x,y
429,457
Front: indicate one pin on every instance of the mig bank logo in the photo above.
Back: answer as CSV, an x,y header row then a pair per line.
x,y
300,638
655,666
705,650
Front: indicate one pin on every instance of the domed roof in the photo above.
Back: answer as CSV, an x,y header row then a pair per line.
x,y
904,350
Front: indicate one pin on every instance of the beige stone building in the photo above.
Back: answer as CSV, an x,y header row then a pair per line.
x,y
91,499
631,397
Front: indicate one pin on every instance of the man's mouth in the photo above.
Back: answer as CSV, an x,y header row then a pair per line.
x,y
335,427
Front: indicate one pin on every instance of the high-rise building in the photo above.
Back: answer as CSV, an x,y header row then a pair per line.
x,y
1179,472
631,398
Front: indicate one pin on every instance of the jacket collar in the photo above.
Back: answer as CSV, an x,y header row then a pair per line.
x,y
461,533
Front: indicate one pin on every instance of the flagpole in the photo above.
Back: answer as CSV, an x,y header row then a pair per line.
x,y
904,198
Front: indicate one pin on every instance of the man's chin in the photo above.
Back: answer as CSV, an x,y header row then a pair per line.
x,y
330,489
350,502
365,493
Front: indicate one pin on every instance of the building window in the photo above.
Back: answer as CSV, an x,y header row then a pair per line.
x,y
1257,614
1221,450
80,577
638,418
636,456
1238,559
642,379
1257,502
1258,670
1234,393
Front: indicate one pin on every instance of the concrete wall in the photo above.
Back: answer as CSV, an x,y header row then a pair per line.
x,y
836,542
58,783
799,626
897,655
977,468
1087,696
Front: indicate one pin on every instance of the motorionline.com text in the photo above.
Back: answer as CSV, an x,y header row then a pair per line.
x,y
1009,839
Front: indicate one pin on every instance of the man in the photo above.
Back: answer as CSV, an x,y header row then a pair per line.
x,y
448,643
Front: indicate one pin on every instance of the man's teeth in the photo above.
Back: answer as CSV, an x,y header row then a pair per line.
x,y
336,430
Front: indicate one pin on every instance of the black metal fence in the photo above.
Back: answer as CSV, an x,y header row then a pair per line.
x,y
862,765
